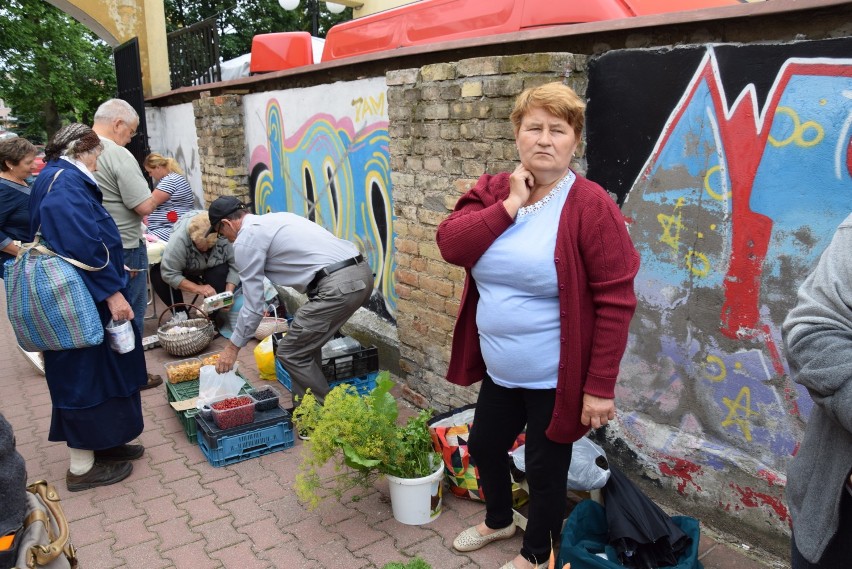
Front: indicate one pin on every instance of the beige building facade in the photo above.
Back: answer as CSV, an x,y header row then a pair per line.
x,y
117,21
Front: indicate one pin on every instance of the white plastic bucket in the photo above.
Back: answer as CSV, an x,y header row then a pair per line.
x,y
417,501
121,336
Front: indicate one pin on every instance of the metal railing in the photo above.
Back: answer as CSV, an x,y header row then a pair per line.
x,y
194,54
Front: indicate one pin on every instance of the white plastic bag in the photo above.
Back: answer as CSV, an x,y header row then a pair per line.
x,y
586,471
213,385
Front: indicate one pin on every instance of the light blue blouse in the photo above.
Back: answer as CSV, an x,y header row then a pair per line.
x,y
518,310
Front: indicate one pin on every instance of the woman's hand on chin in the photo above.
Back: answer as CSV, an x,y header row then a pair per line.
x,y
521,182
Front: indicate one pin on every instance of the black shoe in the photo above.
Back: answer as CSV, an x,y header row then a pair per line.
x,y
120,453
101,474
153,381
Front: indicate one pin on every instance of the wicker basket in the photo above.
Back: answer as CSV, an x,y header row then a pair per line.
x,y
270,325
186,343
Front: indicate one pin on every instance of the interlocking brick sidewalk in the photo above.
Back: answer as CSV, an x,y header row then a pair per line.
x,y
176,510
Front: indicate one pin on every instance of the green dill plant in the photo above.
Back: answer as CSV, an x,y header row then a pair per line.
x,y
360,436
416,563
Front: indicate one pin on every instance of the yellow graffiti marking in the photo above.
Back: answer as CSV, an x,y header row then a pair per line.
x,y
698,263
734,409
713,193
368,106
669,222
800,130
719,364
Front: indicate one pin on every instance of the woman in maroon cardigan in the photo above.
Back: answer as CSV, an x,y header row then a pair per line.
x,y
544,315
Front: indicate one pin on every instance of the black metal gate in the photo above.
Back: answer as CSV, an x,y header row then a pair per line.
x,y
194,54
128,74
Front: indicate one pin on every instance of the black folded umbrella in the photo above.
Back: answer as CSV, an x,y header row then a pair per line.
x,y
643,535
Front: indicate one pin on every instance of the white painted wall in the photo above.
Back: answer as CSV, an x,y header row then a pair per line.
x,y
361,101
171,132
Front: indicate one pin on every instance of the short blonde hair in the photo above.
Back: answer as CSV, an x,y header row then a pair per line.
x,y
198,228
557,99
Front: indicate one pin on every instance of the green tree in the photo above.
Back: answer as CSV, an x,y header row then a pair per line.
x,y
54,69
239,21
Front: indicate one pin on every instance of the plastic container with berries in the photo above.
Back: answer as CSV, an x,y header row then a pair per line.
x,y
233,411
265,398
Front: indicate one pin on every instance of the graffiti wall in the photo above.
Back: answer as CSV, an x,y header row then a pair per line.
x,y
322,152
171,132
735,170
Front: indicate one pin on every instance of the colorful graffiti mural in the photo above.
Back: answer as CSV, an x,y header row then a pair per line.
x,y
331,166
735,201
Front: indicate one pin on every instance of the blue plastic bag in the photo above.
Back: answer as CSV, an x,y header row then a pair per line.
x,y
585,540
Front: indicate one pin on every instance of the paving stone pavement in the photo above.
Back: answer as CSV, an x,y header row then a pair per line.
x,y
178,511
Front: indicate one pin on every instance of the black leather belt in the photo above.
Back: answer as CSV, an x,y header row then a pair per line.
x,y
333,268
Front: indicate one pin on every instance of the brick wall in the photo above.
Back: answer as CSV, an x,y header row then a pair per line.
x,y
449,124
221,146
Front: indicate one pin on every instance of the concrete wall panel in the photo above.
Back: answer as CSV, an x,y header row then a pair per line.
x,y
737,193
171,132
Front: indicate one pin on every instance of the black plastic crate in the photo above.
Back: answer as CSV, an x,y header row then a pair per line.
x,y
360,364
213,435
188,390
271,431
356,364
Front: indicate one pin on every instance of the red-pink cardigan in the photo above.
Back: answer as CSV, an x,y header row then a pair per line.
x,y
595,266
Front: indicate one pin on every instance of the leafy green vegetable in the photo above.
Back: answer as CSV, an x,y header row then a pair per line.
x,y
415,563
361,437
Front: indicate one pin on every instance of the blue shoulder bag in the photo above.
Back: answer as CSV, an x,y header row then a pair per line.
x,y
49,305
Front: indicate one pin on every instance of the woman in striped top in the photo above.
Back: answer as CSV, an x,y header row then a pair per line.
x,y
172,189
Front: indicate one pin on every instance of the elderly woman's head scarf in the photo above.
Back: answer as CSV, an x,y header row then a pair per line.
x,y
71,140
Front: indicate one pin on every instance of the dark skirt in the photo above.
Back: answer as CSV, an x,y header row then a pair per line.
x,y
95,394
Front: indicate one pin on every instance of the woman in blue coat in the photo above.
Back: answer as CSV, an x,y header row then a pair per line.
x,y
16,163
97,408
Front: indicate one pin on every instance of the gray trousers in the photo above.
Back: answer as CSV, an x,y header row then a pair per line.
x,y
335,298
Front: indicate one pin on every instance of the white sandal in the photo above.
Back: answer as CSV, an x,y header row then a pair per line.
x,y
511,565
471,540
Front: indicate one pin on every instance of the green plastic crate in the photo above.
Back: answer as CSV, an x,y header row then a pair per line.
x,y
187,390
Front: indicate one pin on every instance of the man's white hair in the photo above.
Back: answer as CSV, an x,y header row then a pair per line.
x,y
116,109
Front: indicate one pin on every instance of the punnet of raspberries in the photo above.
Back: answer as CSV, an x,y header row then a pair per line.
x,y
233,412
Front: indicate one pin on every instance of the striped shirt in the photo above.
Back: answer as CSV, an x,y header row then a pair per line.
x,y
162,219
